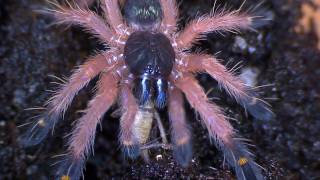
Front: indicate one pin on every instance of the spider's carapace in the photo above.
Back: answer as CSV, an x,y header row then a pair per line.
x,y
150,58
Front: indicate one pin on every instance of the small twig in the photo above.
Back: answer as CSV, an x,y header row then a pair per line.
x,y
157,145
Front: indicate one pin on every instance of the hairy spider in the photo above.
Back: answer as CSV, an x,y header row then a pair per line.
x,y
148,66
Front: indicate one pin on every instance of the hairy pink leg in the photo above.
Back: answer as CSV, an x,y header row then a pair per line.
x,y
84,3
129,109
83,135
206,63
230,21
232,84
220,130
90,21
180,133
112,13
211,114
170,13
80,78
58,104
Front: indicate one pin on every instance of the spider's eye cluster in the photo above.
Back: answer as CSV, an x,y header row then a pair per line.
x,y
143,14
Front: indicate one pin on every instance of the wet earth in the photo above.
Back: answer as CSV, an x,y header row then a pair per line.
x,y
288,146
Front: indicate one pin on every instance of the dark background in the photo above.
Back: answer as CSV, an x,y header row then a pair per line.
x,y
288,146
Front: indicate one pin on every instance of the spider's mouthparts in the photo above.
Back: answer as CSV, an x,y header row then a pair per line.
x,y
143,88
161,93
147,89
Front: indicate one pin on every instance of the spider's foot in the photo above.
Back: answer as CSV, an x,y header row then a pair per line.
x,y
247,169
131,151
239,158
257,108
38,131
183,153
70,169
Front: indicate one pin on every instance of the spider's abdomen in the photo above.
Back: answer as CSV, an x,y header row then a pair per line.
x,y
143,14
148,53
150,57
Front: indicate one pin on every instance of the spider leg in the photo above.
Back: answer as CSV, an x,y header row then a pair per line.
x,y
87,19
210,113
58,104
83,135
220,130
170,14
223,21
129,107
231,83
180,133
113,15
84,3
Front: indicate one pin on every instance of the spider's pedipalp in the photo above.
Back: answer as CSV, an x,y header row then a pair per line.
x,y
231,83
224,21
58,104
129,110
220,130
113,15
83,135
180,133
170,15
87,19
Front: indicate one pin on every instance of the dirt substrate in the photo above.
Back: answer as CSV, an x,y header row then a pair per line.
x,y
287,146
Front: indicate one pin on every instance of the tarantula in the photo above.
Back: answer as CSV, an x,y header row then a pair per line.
x,y
149,65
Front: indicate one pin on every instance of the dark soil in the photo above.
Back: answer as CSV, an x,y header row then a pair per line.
x,y
288,146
